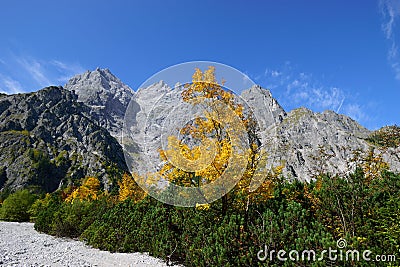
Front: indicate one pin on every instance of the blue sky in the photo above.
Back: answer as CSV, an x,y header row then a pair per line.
x,y
339,55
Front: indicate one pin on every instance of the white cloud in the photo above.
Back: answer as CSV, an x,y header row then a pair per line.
x,y
396,68
303,89
36,70
24,73
9,85
390,10
66,71
355,111
329,98
294,89
275,73
60,65
393,52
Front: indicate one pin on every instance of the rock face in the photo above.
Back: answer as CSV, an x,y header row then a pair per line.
x,y
106,96
267,110
308,141
160,108
301,140
47,136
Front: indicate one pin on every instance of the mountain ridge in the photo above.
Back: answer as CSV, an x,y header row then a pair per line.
x,y
77,131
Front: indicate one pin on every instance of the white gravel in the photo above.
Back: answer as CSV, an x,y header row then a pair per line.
x,y
21,245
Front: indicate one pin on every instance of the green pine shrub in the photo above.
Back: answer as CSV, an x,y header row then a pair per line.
x,y
301,216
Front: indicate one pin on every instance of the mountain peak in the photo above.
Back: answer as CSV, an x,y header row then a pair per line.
x,y
154,90
258,89
107,95
264,105
106,73
97,79
93,86
52,124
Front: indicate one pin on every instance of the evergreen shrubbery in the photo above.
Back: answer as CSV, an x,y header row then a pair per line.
x,y
299,216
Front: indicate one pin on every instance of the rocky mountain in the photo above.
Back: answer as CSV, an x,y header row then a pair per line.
x,y
301,140
56,135
307,142
156,102
266,109
304,137
106,96
49,137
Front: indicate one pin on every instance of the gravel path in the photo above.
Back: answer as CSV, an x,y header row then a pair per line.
x,y
21,245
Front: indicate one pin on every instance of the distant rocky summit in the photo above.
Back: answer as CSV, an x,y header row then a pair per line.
x,y
56,135
105,95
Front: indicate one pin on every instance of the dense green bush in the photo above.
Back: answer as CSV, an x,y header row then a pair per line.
x,y
43,211
299,216
367,211
56,217
204,237
16,206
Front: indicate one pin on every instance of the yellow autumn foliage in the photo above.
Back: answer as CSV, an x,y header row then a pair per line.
x,y
202,206
89,190
373,164
129,188
205,161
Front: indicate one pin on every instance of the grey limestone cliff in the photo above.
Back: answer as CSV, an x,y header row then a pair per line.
x,y
48,137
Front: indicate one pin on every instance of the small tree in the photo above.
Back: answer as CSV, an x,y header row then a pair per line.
x,y
129,188
218,133
89,190
16,206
